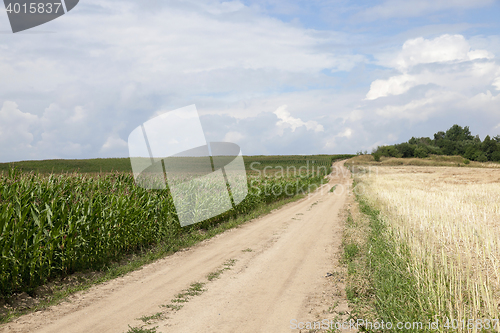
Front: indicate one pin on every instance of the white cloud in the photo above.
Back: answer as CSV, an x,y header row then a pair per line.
x,y
111,65
287,121
395,85
496,83
207,36
419,109
58,118
180,49
114,142
57,133
110,68
79,115
233,136
414,8
486,102
331,142
445,48
445,62
347,133
224,7
15,130
433,84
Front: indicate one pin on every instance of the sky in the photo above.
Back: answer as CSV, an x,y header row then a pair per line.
x,y
275,77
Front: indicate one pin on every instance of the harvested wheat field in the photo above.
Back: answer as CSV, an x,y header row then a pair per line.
x,y
450,220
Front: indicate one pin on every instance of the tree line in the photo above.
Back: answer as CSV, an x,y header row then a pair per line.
x,y
456,140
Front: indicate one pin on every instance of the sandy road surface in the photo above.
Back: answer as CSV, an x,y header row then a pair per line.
x,y
282,278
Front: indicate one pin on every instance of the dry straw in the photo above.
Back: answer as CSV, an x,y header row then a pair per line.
x,y
450,218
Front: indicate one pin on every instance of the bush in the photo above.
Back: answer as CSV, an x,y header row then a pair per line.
x,y
376,157
495,156
420,152
405,149
471,151
389,151
482,158
456,140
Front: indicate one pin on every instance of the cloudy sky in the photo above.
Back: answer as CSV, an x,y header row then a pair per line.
x,y
276,77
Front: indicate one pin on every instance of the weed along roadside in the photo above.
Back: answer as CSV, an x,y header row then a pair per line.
x,y
419,249
380,287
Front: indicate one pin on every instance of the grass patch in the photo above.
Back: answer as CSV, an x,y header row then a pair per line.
x,y
380,286
433,160
175,307
333,188
141,329
227,265
396,289
194,290
214,275
179,300
149,319
247,250
230,263
350,251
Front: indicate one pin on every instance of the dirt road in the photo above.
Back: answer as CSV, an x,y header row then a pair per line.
x,y
278,279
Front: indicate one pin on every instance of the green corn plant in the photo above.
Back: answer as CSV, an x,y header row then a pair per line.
x,y
58,224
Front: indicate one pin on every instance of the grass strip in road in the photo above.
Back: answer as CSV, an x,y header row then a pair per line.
x,y
216,274
141,330
195,289
149,319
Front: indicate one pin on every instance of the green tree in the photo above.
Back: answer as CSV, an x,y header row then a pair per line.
x,y
496,156
388,151
482,158
438,137
420,152
488,147
457,140
472,151
457,133
449,147
420,141
405,149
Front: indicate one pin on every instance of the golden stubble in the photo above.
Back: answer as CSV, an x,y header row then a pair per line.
x,y
450,219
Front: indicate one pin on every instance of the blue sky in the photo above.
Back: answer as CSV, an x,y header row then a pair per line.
x,y
275,77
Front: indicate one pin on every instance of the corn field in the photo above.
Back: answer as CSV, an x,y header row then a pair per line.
x,y
54,225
